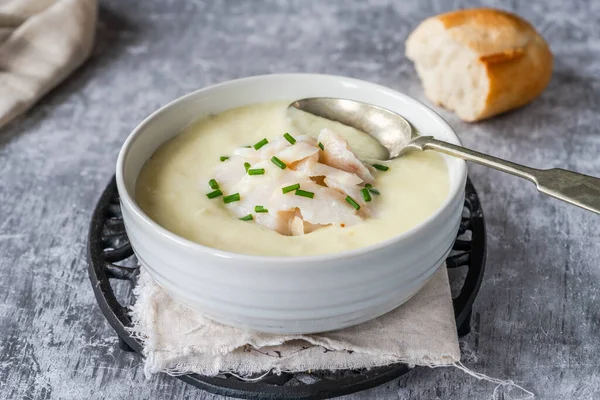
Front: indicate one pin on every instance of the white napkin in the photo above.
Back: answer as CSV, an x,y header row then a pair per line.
x,y
41,43
177,340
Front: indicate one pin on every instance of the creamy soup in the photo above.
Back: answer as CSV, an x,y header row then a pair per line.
x,y
173,185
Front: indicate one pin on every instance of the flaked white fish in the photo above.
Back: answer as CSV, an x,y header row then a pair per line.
x,y
328,206
297,152
313,168
228,173
331,174
337,153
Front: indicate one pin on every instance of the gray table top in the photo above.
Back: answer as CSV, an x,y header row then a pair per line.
x,y
537,317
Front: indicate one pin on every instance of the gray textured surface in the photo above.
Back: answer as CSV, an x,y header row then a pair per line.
x,y
537,317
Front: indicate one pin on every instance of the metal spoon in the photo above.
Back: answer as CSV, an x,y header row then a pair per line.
x,y
398,136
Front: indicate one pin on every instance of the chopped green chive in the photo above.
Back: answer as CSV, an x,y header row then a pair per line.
x,y
247,147
381,167
321,146
370,188
247,218
289,138
256,171
247,166
231,198
260,209
365,194
290,188
223,158
213,184
278,162
304,193
353,203
214,194
260,144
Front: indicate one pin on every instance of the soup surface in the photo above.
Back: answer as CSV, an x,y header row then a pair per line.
x,y
173,184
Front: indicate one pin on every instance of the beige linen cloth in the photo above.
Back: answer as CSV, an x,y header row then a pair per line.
x,y
41,43
177,340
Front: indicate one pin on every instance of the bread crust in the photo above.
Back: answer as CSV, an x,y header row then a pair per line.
x,y
517,60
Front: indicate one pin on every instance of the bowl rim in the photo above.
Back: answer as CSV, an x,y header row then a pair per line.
x,y
130,202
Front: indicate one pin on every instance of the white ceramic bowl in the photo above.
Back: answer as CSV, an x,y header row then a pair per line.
x,y
287,294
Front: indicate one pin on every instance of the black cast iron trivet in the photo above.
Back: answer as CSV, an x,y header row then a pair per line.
x,y
110,256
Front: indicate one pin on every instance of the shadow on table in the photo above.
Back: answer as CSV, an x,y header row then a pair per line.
x,y
114,34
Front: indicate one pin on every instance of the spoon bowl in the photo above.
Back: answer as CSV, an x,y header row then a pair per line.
x,y
390,129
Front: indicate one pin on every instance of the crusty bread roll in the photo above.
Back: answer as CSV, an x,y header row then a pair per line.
x,y
480,62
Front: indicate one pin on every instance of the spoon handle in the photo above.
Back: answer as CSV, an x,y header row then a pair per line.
x,y
571,187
